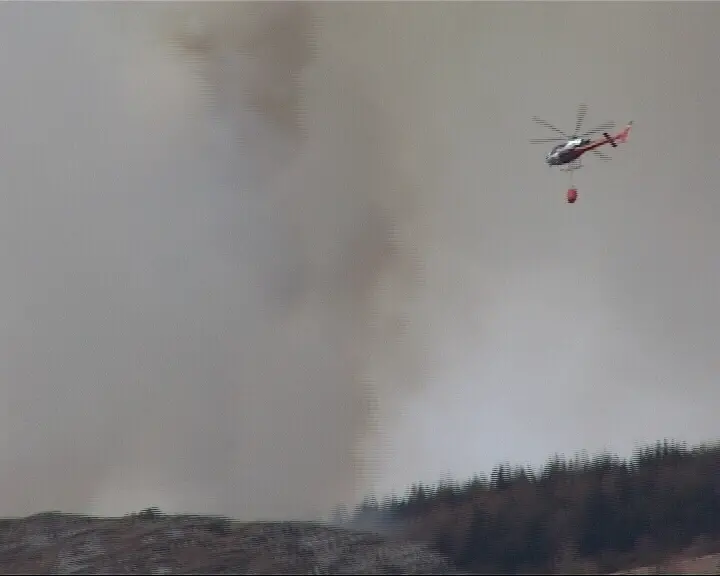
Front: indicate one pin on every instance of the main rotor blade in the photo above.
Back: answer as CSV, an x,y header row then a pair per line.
x,y
602,155
546,140
550,127
603,127
582,110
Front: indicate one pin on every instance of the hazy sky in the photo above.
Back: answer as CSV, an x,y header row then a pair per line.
x,y
260,258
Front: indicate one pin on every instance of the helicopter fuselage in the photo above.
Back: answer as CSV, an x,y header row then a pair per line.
x,y
567,151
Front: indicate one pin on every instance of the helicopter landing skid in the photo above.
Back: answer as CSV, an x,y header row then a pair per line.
x,y
572,166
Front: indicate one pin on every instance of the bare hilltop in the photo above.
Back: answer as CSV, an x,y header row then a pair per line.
x,y
153,543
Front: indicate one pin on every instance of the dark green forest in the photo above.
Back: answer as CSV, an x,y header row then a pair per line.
x,y
581,515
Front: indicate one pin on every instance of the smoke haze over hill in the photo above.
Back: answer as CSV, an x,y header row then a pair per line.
x,y
261,258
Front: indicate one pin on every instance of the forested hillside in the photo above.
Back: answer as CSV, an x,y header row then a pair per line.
x,y
580,515
586,515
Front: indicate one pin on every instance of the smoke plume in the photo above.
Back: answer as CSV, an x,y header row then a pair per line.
x,y
210,240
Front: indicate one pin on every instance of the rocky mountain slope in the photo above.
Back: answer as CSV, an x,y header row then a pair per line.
x,y
151,543
706,564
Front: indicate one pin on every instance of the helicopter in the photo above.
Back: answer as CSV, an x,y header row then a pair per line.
x,y
567,154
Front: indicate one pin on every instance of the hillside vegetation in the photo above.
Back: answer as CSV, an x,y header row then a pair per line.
x,y
582,515
155,543
659,510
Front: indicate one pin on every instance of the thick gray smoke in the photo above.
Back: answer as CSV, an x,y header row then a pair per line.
x,y
210,247
260,258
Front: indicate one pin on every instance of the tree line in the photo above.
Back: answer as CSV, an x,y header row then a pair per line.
x,y
579,515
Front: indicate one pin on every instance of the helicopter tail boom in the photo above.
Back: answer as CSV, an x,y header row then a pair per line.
x,y
623,136
610,139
